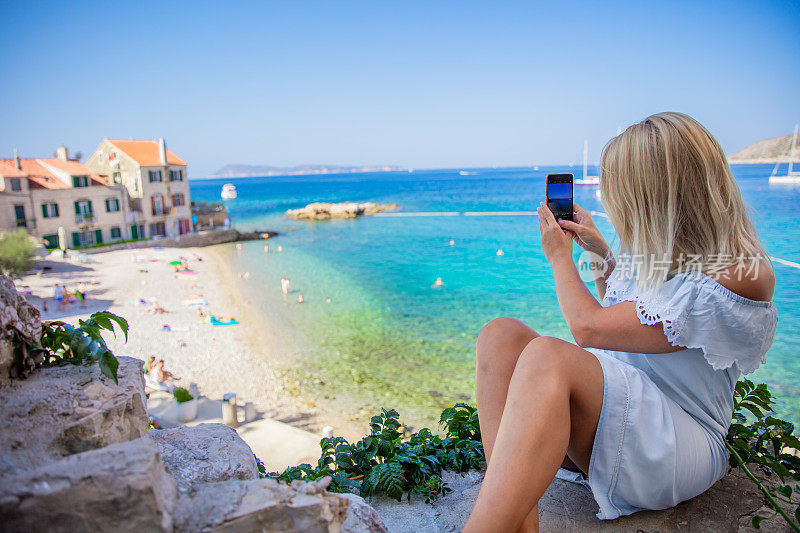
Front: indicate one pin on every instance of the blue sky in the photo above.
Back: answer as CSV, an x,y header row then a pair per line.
x,y
420,84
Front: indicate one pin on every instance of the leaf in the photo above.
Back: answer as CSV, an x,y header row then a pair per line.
x,y
109,365
786,490
757,521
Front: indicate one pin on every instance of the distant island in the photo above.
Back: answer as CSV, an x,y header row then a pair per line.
x,y
248,171
765,151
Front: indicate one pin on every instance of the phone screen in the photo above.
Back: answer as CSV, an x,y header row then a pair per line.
x,y
559,196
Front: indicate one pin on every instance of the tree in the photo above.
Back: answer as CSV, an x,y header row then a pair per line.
x,y
16,252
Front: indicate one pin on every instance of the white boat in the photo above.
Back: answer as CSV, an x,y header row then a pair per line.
x,y
228,192
792,176
587,180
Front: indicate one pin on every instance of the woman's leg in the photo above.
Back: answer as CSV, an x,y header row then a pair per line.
x,y
552,408
500,344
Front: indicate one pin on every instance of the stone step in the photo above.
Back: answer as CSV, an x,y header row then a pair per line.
x,y
122,487
62,410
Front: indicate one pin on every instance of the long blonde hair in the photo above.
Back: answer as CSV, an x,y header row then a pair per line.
x,y
670,194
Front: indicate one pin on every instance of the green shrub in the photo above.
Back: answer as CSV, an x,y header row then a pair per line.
x,y
182,395
16,252
384,462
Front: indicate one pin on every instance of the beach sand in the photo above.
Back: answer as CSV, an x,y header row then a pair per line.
x,y
219,359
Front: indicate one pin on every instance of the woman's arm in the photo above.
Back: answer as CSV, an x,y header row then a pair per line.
x,y
593,326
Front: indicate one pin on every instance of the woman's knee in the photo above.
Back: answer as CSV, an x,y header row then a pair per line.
x,y
543,359
504,338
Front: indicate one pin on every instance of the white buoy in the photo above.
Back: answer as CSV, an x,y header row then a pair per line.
x,y
452,242
500,252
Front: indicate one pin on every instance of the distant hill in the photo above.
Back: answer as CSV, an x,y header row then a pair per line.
x,y
766,151
246,171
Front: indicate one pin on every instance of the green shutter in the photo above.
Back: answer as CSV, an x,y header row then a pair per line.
x,y
56,205
44,210
90,206
107,206
98,236
52,241
76,239
134,232
77,208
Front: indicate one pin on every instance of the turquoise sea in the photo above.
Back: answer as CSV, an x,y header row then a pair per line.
x,y
388,337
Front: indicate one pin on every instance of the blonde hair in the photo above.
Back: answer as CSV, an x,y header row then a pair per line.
x,y
670,194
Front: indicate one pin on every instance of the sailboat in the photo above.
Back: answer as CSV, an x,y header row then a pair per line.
x,y
587,180
792,176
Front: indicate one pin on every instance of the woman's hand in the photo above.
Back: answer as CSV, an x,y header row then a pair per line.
x,y
555,241
585,232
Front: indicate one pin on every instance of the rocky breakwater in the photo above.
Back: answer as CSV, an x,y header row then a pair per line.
x,y
327,211
76,455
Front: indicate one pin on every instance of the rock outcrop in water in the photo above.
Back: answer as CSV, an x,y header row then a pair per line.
x,y
327,211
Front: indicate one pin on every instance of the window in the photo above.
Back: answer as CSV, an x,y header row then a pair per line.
x,y
116,233
176,175
178,200
19,214
80,181
83,211
116,177
112,205
155,176
158,205
86,238
16,184
158,229
50,210
137,231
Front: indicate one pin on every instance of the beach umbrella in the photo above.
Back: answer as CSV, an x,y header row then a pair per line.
x,y
175,263
62,238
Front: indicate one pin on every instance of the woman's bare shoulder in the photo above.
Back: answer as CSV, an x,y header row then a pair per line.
x,y
753,280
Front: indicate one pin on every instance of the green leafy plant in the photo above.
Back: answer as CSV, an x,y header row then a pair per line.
x,y
16,252
63,343
385,462
766,442
182,395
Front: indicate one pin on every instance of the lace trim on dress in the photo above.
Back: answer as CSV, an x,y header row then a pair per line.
x,y
673,308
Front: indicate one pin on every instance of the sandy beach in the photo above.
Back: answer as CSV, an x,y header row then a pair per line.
x,y
219,359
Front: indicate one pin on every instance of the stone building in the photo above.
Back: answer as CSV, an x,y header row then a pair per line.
x,y
45,194
156,181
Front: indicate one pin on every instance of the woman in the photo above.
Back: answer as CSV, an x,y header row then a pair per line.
x,y
642,404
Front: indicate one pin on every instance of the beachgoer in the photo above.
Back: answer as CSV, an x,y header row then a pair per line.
x,y
148,366
285,282
44,306
452,242
247,275
500,252
438,282
82,292
300,298
640,406
58,295
280,248
238,246
162,373
328,299
157,309
266,248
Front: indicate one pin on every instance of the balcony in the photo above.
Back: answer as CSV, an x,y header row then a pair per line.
x,y
27,223
160,210
84,218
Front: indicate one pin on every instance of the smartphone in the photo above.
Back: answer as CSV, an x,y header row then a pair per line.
x,y
559,195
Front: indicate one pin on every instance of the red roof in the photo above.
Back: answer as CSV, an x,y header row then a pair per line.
x,y
39,177
145,152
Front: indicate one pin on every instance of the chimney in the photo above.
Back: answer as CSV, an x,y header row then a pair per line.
x,y
62,153
17,165
162,151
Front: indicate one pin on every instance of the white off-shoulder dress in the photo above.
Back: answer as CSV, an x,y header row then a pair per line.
x,y
661,435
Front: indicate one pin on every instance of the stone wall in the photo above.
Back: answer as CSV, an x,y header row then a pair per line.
x,y
191,240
